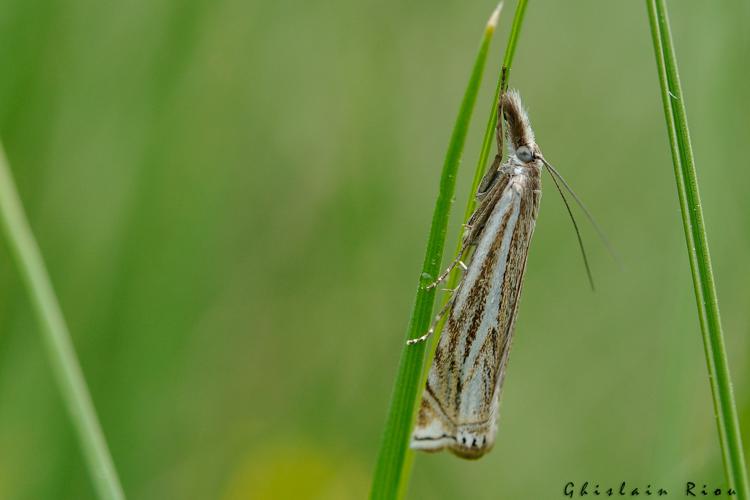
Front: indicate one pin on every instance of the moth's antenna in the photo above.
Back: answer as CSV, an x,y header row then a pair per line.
x,y
575,226
554,173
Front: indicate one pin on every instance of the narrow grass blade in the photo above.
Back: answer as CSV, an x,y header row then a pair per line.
x,y
391,475
56,337
510,49
697,244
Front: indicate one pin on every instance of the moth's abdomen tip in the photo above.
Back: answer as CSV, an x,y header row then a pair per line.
x,y
471,444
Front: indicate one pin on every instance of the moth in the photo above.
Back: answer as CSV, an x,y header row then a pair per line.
x,y
459,406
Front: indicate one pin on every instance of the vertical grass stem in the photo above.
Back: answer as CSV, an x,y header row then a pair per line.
x,y
697,244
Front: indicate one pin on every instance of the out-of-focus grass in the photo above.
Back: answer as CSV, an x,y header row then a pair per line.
x,y
61,354
228,192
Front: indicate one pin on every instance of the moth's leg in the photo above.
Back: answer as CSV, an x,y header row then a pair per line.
x,y
434,324
465,244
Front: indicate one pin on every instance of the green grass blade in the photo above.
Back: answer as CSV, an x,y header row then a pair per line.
x,y
510,49
391,471
56,337
697,244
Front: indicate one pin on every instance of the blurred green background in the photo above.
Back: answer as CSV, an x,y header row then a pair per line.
x,y
233,200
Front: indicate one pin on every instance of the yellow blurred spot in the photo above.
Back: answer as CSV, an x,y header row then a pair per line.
x,y
299,473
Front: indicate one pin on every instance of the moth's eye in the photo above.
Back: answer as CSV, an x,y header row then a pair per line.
x,y
524,154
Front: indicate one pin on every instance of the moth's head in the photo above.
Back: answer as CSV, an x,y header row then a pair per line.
x,y
522,148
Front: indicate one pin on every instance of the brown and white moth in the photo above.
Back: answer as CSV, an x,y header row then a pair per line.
x,y
460,403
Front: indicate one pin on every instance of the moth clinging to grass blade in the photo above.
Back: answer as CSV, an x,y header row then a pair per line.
x,y
460,403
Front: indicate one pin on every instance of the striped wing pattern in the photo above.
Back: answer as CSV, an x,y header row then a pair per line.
x,y
461,399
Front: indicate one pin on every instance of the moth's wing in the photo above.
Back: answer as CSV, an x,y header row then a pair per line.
x,y
436,421
485,362
460,400
490,177
487,200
